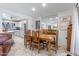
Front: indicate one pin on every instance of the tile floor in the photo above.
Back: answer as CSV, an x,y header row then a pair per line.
x,y
18,49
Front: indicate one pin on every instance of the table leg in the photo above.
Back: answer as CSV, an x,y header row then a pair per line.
x,y
31,43
49,48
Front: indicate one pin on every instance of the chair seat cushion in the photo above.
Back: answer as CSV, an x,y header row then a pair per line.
x,y
2,40
11,42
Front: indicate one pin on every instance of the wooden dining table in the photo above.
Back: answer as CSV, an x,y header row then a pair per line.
x,y
45,37
48,38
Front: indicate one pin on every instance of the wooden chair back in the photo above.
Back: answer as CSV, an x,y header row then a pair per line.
x,y
27,36
28,32
35,35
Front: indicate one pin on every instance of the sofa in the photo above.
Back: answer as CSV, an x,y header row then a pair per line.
x,y
5,43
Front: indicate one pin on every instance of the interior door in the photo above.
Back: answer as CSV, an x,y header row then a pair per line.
x,y
37,24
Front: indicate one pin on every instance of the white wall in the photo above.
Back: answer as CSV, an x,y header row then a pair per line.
x,y
45,22
75,33
31,24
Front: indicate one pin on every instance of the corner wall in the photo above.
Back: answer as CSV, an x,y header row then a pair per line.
x,y
75,33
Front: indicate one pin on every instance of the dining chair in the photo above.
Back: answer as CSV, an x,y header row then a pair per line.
x,y
35,40
44,43
27,38
54,42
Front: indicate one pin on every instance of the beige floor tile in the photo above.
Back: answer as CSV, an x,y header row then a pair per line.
x,y
18,49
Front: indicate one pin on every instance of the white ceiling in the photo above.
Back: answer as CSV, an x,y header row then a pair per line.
x,y
26,8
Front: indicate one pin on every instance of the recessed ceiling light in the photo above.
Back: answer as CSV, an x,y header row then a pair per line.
x,y
3,14
33,9
44,4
